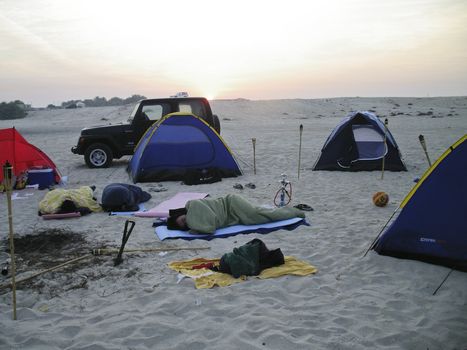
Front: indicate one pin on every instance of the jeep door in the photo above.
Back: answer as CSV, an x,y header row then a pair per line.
x,y
148,115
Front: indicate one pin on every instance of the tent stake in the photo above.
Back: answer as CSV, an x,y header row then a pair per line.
x,y
253,140
445,278
8,178
300,151
385,145
421,138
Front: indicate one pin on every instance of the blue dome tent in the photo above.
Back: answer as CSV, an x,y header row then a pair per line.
x,y
359,142
177,144
432,223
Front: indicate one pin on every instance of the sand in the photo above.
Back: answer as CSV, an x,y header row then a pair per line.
x,y
353,302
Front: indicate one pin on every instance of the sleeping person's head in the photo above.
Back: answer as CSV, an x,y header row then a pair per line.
x,y
177,220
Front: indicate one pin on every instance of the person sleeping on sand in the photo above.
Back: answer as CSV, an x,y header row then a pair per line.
x,y
206,215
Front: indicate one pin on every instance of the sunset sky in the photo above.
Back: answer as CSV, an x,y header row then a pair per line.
x,y
57,50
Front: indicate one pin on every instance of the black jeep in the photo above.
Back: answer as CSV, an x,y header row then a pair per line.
x,y
101,144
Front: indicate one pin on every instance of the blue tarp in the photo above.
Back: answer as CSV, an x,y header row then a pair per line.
x,y
290,224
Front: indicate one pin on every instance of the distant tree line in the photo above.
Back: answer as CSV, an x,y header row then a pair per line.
x,y
100,102
12,110
18,109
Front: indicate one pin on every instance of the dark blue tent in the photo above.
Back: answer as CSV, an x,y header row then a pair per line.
x,y
178,144
359,142
432,224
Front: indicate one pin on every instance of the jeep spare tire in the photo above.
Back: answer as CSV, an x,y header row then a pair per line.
x,y
98,155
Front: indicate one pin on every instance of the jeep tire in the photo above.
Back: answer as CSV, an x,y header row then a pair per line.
x,y
98,155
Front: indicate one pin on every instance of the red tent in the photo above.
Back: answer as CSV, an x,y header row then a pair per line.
x,y
21,154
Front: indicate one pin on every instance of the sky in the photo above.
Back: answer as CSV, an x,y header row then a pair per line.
x,y
57,50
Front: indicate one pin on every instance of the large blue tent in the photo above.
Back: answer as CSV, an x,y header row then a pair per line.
x,y
178,144
360,142
432,223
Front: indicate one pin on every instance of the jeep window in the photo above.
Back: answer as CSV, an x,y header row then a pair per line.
x,y
132,115
195,107
155,112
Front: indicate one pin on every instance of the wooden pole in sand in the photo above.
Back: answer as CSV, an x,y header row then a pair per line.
x,y
100,251
7,178
66,263
108,251
253,140
300,151
421,138
385,145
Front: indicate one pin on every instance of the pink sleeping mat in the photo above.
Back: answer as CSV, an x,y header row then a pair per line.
x,y
177,201
76,214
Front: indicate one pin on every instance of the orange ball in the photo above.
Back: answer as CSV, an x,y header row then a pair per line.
x,y
380,199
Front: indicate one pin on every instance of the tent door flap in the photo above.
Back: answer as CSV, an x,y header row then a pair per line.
x,y
369,142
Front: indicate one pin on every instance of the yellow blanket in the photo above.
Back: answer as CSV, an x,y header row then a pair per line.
x,y
82,197
205,278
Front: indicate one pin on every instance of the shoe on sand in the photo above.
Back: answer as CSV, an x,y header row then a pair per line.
x,y
304,207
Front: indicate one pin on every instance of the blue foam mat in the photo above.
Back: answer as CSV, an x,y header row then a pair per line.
x,y
128,213
163,233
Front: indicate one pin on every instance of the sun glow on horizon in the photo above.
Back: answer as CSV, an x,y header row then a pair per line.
x,y
259,49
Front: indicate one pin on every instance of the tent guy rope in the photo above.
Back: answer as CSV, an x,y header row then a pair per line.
x,y
381,231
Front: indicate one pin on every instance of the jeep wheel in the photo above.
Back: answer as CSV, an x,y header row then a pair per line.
x,y
216,125
98,155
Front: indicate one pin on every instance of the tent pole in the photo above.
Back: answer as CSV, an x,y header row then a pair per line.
x,y
253,140
379,234
7,176
421,138
444,280
385,145
300,151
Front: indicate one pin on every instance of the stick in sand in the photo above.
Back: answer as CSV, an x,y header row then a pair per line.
x,y
253,140
27,278
7,177
385,145
129,225
100,251
300,151
421,138
108,251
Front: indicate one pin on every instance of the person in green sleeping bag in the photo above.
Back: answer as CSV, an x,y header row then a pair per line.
x,y
206,215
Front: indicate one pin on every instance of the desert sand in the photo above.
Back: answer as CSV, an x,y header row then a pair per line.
x,y
352,302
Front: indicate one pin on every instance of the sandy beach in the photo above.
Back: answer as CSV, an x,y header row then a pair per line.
x,y
352,302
